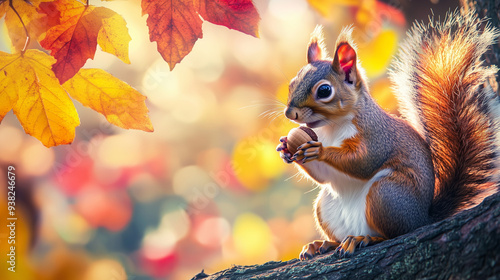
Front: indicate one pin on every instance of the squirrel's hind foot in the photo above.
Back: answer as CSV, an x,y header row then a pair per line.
x,y
317,247
350,243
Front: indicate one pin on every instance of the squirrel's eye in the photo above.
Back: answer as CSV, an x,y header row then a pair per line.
x,y
324,91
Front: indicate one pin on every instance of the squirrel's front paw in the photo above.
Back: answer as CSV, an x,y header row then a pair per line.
x,y
284,153
309,151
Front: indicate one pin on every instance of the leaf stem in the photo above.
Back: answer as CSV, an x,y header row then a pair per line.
x,y
11,5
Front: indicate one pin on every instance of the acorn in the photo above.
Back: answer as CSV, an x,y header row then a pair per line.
x,y
298,136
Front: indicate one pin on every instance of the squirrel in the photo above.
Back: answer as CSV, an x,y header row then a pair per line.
x,y
382,176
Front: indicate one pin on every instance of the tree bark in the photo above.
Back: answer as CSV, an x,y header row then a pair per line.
x,y
466,246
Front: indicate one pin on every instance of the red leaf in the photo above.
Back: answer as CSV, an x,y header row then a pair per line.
x,y
174,25
50,12
74,39
240,15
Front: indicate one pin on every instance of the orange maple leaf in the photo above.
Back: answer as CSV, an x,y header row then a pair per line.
x,y
75,38
240,15
174,25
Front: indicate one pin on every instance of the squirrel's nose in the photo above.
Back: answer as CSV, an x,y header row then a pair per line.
x,y
292,113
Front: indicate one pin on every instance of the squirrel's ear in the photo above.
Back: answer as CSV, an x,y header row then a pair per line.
x,y
316,49
345,59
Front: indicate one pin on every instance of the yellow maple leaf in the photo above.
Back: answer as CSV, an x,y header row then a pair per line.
x,y
121,104
9,89
113,37
42,106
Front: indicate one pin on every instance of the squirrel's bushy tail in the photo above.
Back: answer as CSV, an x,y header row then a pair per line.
x,y
443,91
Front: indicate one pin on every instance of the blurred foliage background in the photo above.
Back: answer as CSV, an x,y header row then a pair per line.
x,y
206,189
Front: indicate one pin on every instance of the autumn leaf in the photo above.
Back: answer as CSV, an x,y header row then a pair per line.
x,y
174,25
121,104
3,7
31,19
49,14
15,29
30,80
9,83
42,106
74,40
113,37
239,15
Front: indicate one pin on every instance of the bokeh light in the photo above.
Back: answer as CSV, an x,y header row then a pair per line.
x,y
252,237
213,232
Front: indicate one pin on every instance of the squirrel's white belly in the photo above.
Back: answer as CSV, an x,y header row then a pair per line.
x,y
342,197
343,201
